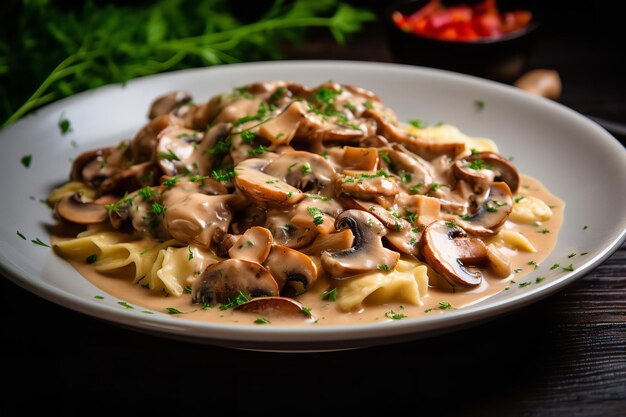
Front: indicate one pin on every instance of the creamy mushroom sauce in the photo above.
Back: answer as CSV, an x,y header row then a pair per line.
x,y
284,192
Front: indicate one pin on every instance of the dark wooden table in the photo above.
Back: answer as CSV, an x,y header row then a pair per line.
x,y
563,356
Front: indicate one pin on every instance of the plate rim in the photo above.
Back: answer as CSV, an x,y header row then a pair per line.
x,y
282,337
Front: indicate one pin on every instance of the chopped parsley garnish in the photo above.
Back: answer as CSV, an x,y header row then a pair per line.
x,y
190,257
171,182
480,104
385,157
544,231
474,151
240,299
115,207
26,160
416,188
147,312
524,284
384,268
126,305
271,181
411,217
157,209
317,215
428,310
38,241
187,289
196,178
568,268
306,168
420,124
259,150
325,155
64,125
451,224
262,320
394,316
172,310
553,267
21,235
249,243
222,146
223,175
306,311
535,264
330,295
319,197
98,297
206,305
278,93
571,255
539,279
519,198
326,95
170,156
146,193
444,305
91,258
368,104
585,227
247,136
583,253
517,270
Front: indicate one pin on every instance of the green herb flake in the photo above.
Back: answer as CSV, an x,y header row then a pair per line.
x,y
451,224
171,182
38,241
480,104
64,125
190,257
261,320
278,93
259,150
568,268
385,157
318,216
26,160
444,305
428,310
420,124
187,289
524,284
539,279
583,253
21,235
519,198
306,311
325,155
517,270
240,299
330,295
306,168
126,305
368,104
533,263
147,312
146,193
384,268
223,175
571,255
98,297
555,266
170,156
249,243
544,231
394,316
585,227
91,258
172,310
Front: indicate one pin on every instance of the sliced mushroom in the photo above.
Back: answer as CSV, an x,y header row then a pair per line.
x,y
265,190
366,186
168,103
385,216
282,128
176,150
282,307
360,159
416,174
479,178
329,241
367,253
254,245
132,178
317,212
449,252
424,148
286,233
502,168
293,271
223,281
224,245
75,209
493,212
144,143
199,218
85,159
305,171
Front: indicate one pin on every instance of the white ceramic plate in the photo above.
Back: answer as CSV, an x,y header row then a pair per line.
x,y
575,158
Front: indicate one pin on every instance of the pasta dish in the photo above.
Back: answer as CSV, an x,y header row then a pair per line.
x,y
280,203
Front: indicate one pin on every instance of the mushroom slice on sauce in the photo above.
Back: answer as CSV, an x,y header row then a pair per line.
x,y
144,143
223,281
176,150
254,245
329,241
367,252
278,307
293,271
503,169
479,177
493,212
93,160
132,178
168,103
426,149
286,233
75,209
265,190
449,252
367,186
282,128
359,159
303,170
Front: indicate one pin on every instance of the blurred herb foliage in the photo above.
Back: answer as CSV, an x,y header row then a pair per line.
x,y
50,50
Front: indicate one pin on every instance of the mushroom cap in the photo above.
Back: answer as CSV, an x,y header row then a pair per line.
x,y
176,150
367,252
223,281
168,103
448,251
503,169
282,307
131,178
262,188
293,271
493,212
254,245
303,170
75,209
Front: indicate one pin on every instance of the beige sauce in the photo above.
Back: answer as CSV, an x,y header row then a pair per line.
x,y
326,312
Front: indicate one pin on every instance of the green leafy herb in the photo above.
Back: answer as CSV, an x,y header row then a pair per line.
x,y
420,124
240,299
384,268
428,310
477,165
517,270
21,235
519,198
368,104
222,146
91,258
444,305
262,320
416,188
247,136
187,289
533,263
172,310
539,279
319,197
26,160
583,253
171,182
451,224
170,156
259,150
190,257
524,284
196,178
115,207
146,193
38,241
64,125
568,268
394,316
544,231
223,175
306,168
98,297
278,93
318,216
480,104
126,305
571,255
306,311
585,227
385,157
330,295
553,267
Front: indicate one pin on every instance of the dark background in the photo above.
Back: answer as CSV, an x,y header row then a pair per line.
x,y
565,355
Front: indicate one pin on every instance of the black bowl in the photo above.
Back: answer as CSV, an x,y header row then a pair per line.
x,y
502,59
